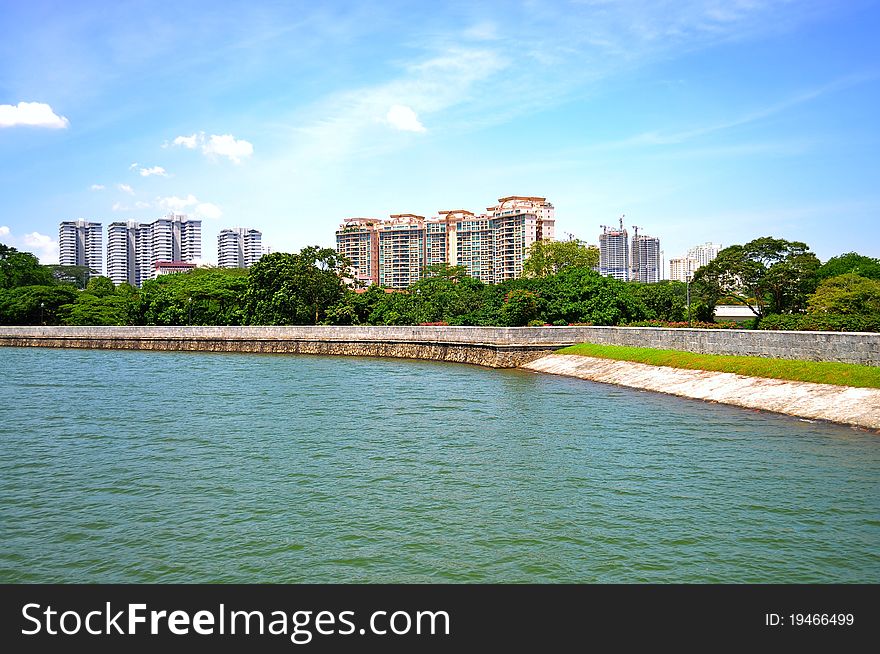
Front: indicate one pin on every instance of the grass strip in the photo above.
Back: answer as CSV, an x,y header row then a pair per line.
x,y
821,372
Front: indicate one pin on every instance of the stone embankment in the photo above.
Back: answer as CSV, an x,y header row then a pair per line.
x,y
843,404
532,348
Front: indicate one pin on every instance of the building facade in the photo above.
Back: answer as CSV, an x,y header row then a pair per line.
x,y
133,248
645,259
490,246
80,243
239,247
704,253
681,269
614,252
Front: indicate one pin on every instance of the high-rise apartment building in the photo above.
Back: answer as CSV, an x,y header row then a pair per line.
x,y
703,254
491,246
401,250
644,259
681,269
134,248
80,243
614,252
239,247
358,241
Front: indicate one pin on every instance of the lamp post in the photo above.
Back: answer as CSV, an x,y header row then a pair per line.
x,y
688,287
190,303
42,304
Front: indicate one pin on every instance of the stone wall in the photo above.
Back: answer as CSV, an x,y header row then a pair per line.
x,y
488,346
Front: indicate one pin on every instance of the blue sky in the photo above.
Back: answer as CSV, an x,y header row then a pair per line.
x,y
700,120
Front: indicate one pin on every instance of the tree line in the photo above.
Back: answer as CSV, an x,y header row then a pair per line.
x,y
782,282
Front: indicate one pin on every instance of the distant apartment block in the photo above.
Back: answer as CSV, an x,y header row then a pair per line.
x,y
134,248
614,252
80,243
239,247
681,269
490,246
644,259
703,254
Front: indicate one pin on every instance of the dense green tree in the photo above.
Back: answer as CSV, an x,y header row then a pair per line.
x,y
100,286
295,289
91,309
583,295
846,295
204,296
852,263
549,257
665,300
520,306
21,269
78,276
768,275
34,305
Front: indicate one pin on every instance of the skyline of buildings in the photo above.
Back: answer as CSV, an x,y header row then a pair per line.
x,y
393,252
134,249
490,246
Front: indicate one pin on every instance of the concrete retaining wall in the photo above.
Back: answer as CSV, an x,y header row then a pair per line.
x,y
488,346
843,404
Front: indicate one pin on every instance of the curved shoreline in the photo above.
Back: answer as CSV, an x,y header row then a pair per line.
x,y
533,349
859,407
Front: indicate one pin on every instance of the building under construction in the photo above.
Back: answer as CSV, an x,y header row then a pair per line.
x,y
637,259
614,252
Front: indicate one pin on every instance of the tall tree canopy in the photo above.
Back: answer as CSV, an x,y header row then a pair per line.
x,y
852,263
549,257
295,289
22,269
769,275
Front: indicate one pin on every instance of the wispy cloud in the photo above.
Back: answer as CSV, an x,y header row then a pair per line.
x,y
125,188
43,246
675,137
216,145
97,187
155,170
190,204
31,114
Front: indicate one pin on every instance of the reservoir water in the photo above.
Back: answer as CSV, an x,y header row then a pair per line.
x,y
125,466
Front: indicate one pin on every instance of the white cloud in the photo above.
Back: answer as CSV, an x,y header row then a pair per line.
x,y
222,145
45,247
33,114
188,142
125,188
4,230
177,204
97,187
208,210
133,165
404,118
155,170
227,145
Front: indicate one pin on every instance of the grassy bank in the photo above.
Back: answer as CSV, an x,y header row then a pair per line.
x,y
841,374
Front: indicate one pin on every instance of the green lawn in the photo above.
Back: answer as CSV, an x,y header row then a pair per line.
x,y
841,374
